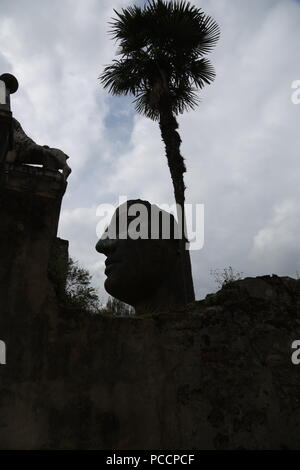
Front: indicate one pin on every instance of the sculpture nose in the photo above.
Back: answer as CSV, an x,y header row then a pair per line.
x,y
106,246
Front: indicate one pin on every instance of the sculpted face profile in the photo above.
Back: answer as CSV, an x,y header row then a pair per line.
x,y
143,265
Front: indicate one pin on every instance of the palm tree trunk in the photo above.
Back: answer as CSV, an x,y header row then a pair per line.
x,y
168,127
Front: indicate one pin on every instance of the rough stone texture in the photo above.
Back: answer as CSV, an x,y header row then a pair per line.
x,y
25,150
218,376
30,202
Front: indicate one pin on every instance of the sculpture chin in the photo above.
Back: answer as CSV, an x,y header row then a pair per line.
x,y
129,288
118,289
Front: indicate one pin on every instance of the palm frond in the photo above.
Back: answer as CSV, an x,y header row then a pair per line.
x,y
181,26
161,45
144,105
121,77
209,34
201,73
183,97
129,29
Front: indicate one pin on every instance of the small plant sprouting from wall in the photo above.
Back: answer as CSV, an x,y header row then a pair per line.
x,y
225,276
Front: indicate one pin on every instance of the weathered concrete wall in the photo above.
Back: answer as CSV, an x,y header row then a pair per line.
x,y
218,376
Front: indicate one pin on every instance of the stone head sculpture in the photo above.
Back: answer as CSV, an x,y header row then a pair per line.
x,y
143,265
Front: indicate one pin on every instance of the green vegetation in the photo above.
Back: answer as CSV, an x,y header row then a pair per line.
x,y
225,276
79,293
74,290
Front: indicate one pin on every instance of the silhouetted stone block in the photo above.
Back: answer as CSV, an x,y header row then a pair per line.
x,y
217,376
30,200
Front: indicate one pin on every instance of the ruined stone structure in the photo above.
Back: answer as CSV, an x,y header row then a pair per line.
x,y
15,145
217,375
30,200
26,151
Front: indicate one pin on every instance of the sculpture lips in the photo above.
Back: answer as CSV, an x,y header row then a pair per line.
x,y
109,263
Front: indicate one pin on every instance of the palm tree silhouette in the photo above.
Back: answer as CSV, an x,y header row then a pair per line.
x,y
161,62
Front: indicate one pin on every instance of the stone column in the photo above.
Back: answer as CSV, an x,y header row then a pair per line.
x,y
30,202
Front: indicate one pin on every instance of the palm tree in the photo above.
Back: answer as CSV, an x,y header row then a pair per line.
x,y
161,62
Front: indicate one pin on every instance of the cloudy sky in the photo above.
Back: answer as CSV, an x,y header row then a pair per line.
x,y
241,144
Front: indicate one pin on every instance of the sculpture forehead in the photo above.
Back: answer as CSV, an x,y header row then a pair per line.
x,y
135,208
139,203
161,221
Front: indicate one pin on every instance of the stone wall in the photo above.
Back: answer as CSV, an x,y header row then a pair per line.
x,y
30,201
218,376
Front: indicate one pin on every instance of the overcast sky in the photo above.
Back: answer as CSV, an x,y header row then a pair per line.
x,y
241,144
